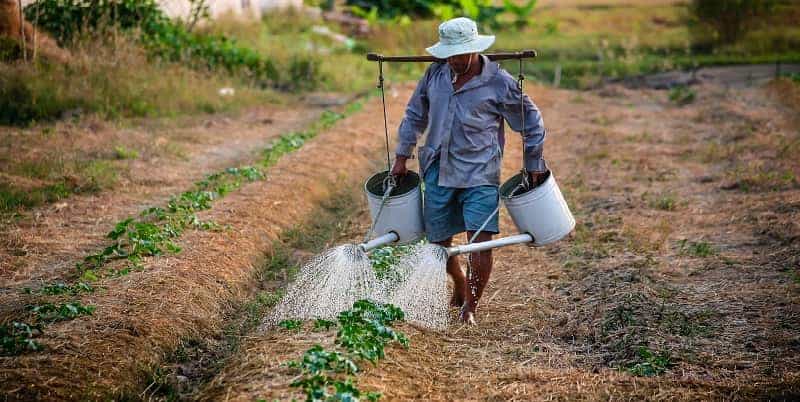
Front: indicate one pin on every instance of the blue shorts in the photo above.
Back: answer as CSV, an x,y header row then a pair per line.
x,y
449,211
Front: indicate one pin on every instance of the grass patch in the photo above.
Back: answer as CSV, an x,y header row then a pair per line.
x,y
121,152
32,183
697,249
756,177
663,202
115,80
682,95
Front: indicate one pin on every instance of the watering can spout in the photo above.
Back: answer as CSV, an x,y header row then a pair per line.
x,y
379,241
487,245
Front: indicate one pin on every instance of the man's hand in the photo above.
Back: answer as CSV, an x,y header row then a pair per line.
x,y
537,178
399,169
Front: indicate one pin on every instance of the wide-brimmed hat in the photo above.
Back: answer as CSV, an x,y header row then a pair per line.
x,y
459,36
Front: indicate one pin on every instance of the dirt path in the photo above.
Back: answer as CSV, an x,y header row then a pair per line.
x,y
48,241
144,315
685,260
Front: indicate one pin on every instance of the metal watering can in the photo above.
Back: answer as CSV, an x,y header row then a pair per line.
x,y
540,213
395,208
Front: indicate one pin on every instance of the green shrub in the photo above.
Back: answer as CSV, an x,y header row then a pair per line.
x,y
10,49
67,20
21,102
482,11
728,20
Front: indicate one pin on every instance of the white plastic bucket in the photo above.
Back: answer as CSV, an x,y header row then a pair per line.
x,y
402,212
542,211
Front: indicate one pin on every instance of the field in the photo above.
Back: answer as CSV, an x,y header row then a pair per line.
x,y
140,253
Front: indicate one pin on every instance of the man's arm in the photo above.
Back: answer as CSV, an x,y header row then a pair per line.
x,y
533,133
413,125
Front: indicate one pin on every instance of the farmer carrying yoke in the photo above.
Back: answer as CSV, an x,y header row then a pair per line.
x,y
461,105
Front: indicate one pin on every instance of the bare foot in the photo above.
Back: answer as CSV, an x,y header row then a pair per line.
x,y
467,315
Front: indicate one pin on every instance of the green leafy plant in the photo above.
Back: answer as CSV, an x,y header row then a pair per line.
x,y
50,312
384,260
364,331
521,12
291,324
323,325
650,363
482,11
18,337
60,288
153,231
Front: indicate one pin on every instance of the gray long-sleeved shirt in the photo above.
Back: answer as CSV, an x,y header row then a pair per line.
x,y
465,127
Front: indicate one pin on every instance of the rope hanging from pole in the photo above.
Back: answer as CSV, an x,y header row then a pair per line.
x,y
385,120
520,80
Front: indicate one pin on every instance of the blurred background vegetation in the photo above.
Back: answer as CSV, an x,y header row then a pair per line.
x,y
127,59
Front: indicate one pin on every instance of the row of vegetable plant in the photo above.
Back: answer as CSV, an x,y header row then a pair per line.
x,y
151,233
363,333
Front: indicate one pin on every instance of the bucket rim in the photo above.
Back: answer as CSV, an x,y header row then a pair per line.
x,y
514,181
408,188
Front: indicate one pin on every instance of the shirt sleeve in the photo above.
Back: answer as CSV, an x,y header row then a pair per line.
x,y
415,120
533,133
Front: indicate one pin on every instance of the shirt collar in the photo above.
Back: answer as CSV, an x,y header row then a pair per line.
x,y
490,68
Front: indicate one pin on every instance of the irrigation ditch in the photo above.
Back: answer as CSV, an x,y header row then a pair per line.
x,y
142,316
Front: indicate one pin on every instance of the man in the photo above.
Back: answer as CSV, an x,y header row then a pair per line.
x,y
461,106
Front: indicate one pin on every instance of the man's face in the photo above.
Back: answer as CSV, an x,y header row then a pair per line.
x,y
459,63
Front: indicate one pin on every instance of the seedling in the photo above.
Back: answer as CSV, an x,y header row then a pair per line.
x,y
60,288
17,338
291,324
323,325
364,331
50,312
651,364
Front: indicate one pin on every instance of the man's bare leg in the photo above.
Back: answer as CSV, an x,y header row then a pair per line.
x,y
480,270
459,280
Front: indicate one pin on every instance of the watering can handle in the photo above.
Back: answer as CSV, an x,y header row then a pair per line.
x,y
525,183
